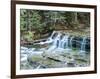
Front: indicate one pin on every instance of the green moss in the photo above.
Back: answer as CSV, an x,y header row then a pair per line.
x,y
37,58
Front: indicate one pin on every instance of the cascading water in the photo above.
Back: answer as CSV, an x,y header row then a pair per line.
x,y
58,42
82,49
71,42
63,41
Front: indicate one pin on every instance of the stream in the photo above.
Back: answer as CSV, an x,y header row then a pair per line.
x,y
61,50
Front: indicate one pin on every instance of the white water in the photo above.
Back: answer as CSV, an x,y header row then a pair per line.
x,y
64,42
71,42
82,50
59,42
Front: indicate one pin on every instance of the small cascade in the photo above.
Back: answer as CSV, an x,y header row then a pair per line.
x,y
71,42
60,47
56,41
82,49
64,42
61,41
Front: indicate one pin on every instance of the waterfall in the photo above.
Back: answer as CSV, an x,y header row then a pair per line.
x,y
59,41
56,41
64,42
71,42
59,46
82,49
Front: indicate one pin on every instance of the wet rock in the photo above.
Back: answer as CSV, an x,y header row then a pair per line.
x,y
77,42
70,64
55,52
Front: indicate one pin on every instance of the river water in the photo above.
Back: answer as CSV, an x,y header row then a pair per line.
x,y
62,50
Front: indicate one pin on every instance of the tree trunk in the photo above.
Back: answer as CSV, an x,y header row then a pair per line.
x,y
75,18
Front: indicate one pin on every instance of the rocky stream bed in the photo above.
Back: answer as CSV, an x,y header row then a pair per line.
x,y
58,51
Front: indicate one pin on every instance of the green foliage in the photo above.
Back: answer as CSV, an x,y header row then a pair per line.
x,y
42,21
28,36
84,18
23,17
